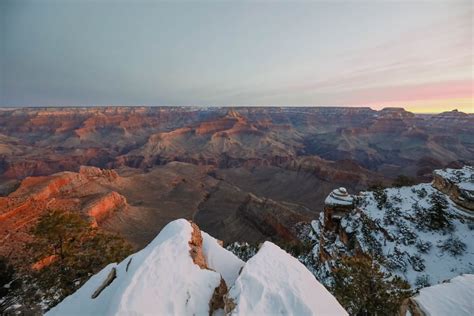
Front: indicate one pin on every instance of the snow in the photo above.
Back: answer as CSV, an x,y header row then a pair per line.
x,y
220,259
455,297
395,233
274,283
162,279
439,264
468,186
339,197
463,178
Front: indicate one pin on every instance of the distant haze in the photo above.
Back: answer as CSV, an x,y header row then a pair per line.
x,y
415,54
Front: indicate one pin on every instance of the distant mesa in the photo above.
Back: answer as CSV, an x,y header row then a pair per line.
x,y
393,109
453,114
396,112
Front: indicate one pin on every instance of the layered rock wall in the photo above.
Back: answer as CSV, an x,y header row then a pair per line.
x,y
459,194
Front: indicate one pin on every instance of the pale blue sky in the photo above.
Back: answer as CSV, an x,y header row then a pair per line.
x,y
230,52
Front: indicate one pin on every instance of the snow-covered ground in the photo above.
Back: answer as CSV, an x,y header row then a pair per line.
x,y
398,233
275,283
463,178
418,251
162,279
455,297
221,259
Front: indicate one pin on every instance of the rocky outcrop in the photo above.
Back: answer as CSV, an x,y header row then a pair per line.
x,y
393,120
86,192
102,207
271,218
195,245
167,278
95,173
218,298
410,307
396,227
209,128
346,172
110,278
44,262
458,184
337,205
43,188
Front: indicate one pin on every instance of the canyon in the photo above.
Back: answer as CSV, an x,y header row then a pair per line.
x,y
242,173
245,175
42,141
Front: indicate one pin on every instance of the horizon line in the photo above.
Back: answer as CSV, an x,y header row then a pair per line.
x,y
3,107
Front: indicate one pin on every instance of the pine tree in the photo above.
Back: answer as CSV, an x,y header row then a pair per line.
x,y
56,233
80,251
380,197
436,216
363,289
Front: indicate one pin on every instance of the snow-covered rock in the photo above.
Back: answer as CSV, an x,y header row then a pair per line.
x,y
184,271
221,259
161,279
416,232
339,197
458,184
463,177
274,283
455,297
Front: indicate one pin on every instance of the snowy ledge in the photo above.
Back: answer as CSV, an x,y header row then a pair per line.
x,y
463,178
454,297
184,271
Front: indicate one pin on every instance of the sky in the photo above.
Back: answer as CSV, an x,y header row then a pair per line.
x,y
415,54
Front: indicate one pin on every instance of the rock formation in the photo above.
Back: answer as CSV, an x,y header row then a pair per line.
x,y
184,271
458,184
337,205
271,218
101,207
42,141
87,192
417,232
